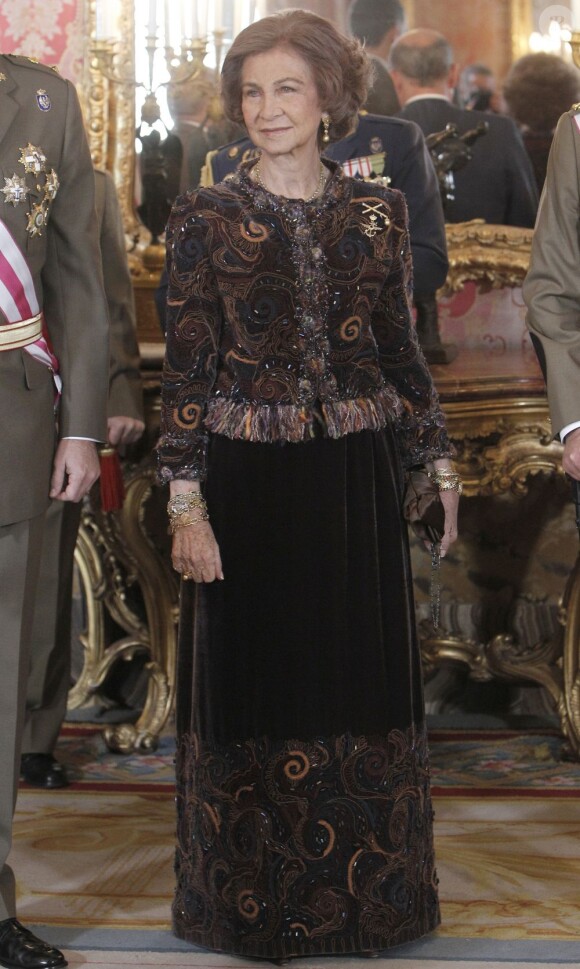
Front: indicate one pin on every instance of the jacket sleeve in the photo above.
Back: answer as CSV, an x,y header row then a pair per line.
x,y
420,425
551,289
125,389
73,295
415,177
193,335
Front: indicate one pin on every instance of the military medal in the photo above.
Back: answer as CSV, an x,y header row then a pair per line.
x,y
43,100
374,213
33,159
14,189
37,218
51,185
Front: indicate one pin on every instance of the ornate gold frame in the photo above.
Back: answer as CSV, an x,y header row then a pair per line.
x,y
110,112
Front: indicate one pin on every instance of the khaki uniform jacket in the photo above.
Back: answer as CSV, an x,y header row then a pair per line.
x,y
39,108
552,286
125,387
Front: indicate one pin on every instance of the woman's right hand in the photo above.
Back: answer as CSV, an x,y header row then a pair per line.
x,y
195,553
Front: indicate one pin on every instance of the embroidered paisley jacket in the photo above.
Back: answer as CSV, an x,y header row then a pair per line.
x,y
284,314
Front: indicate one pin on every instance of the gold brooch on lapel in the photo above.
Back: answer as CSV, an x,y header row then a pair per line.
x,y
375,212
37,218
2,76
33,159
43,100
14,190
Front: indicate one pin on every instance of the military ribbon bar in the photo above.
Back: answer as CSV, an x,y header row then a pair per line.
x,y
365,166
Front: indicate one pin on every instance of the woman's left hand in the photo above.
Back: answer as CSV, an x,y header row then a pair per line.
x,y
450,501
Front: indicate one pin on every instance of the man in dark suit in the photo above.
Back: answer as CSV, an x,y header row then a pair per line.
x,y
49,674
395,149
498,183
377,24
53,327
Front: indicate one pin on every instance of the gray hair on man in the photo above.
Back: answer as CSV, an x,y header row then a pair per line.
x,y
425,56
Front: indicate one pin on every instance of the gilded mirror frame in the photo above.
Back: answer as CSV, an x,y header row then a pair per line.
x,y
110,111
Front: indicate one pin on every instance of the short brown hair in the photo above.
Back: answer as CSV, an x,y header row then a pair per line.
x,y
342,71
539,88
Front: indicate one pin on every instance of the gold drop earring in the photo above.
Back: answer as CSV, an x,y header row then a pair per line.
x,y
326,127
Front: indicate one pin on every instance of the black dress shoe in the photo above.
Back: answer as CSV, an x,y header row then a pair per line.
x,y
20,949
43,770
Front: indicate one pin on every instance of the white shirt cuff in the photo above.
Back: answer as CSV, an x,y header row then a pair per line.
x,y
568,428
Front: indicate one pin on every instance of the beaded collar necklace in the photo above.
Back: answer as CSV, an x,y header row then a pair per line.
x,y
319,188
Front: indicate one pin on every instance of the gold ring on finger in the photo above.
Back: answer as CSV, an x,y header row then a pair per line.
x,y
187,576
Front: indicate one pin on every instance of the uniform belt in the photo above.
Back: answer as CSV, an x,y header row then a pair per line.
x,y
21,334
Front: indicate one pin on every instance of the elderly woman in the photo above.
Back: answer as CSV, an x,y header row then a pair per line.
x,y
295,393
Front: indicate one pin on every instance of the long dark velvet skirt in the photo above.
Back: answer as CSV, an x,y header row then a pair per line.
x,y
304,813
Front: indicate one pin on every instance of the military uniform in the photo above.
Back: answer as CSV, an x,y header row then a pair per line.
x,y
49,268
552,286
498,182
49,677
391,148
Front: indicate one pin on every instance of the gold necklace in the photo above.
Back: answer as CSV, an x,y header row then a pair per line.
x,y
319,188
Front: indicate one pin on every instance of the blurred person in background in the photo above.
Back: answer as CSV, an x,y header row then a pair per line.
x,y
377,25
538,90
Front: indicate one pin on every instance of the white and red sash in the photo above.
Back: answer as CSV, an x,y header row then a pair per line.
x,y
19,304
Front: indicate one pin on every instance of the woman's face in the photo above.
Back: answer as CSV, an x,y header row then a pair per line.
x,y
280,101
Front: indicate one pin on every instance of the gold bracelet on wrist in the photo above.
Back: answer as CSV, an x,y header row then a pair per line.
x,y
180,504
446,479
185,519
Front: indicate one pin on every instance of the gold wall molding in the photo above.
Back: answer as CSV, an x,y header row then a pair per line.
x,y
110,110
521,26
492,254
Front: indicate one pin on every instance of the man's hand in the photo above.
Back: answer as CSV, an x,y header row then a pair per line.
x,y
75,469
124,430
571,456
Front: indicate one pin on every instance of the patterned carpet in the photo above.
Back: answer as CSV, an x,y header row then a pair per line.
x,y
94,862
462,762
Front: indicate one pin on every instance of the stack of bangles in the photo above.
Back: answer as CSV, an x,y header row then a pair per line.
x,y
446,479
186,509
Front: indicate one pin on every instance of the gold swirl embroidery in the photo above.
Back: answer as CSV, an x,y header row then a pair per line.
x,y
350,871
300,925
187,417
331,837
297,766
232,355
350,329
248,906
254,232
213,816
